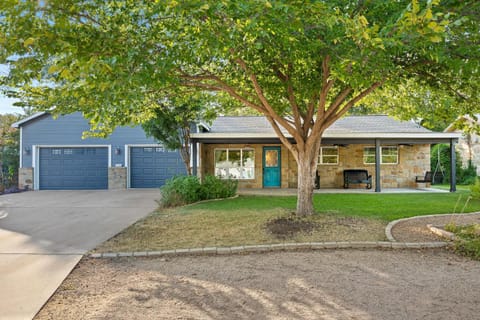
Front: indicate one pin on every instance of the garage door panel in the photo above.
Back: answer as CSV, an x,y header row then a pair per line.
x,y
150,167
73,168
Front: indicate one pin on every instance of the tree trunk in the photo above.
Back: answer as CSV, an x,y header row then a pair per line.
x,y
306,181
307,165
185,149
185,154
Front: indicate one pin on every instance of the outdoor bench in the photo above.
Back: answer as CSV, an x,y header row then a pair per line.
x,y
356,176
424,179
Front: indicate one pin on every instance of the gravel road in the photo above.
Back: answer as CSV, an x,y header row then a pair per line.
x,y
325,284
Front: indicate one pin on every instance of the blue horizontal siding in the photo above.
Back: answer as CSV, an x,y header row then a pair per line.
x,y
68,129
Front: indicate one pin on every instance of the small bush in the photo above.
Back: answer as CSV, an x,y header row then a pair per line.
x,y
216,188
180,190
188,189
468,239
467,175
475,190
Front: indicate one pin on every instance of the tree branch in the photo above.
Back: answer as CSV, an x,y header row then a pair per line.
x,y
298,118
341,111
282,137
267,110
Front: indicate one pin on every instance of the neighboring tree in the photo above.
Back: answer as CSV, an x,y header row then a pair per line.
x,y
9,144
173,121
302,64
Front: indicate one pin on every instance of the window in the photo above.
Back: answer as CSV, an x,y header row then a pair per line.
x,y
235,163
388,155
56,152
328,155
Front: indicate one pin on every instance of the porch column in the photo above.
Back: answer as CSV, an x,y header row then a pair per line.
x,y
194,158
453,167
378,187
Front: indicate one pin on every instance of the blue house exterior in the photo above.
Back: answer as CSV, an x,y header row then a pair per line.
x,y
53,156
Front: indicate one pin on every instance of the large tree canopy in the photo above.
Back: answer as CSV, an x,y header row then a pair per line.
x,y
303,64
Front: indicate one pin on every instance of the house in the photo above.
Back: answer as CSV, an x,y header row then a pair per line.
x,y
247,149
468,145
53,156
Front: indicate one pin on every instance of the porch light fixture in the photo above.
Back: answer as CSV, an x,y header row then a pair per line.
x,y
26,150
118,151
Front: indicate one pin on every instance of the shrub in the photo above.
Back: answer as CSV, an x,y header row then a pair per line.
x,y
468,175
180,190
468,239
475,189
216,188
188,189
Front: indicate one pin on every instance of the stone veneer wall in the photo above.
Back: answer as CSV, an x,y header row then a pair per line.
x,y
413,161
117,178
25,178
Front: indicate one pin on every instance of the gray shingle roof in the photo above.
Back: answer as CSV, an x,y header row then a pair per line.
x,y
351,124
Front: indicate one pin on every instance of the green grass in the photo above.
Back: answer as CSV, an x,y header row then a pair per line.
x,y
460,188
243,220
385,207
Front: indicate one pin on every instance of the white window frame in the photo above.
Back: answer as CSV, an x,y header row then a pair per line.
x,y
320,156
381,155
241,161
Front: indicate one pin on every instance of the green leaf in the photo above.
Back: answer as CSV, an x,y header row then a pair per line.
x,y
27,43
54,68
435,39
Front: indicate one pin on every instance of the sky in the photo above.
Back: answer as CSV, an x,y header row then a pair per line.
x,y
6,106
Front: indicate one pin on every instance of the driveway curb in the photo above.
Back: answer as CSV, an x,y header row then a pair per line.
x,y
273,247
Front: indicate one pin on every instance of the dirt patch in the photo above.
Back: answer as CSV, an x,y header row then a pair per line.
x,y
336,284
286,227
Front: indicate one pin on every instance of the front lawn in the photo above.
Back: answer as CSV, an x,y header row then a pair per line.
x,y
263,219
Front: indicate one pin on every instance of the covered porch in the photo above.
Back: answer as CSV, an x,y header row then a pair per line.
x,y
393,152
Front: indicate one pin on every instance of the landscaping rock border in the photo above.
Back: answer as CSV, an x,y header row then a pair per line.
x,y
391,225
274,247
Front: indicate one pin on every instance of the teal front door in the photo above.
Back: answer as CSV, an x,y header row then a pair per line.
x,y
271,167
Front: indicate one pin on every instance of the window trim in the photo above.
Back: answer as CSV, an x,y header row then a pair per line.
x,y
241,161
320,156
381,155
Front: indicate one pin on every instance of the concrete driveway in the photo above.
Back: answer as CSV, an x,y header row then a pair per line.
x,y
43,235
